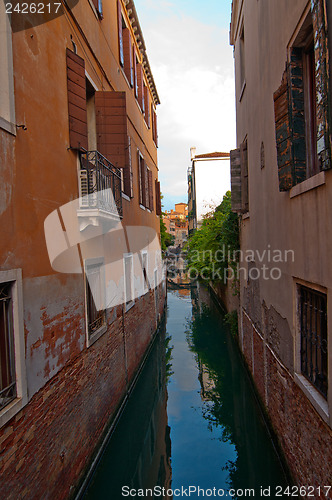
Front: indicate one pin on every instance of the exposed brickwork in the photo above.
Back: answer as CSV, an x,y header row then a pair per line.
x,y
304,437
45,449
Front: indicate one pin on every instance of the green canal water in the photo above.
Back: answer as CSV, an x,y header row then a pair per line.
x,y
192,420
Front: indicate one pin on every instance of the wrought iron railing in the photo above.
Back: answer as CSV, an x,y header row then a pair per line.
x,y
100,183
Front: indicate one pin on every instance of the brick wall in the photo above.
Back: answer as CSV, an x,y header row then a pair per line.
x,y
46,448
305,438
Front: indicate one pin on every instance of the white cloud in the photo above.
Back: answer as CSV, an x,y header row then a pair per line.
x,y
192,65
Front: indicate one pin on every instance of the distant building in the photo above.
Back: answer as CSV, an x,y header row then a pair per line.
x,y
208,180
176,222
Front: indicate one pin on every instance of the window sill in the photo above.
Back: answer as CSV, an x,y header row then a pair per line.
x,y
7,126
142,207
242,90
246,216
129,305
11,410
126,197
316,399
95,336
307,185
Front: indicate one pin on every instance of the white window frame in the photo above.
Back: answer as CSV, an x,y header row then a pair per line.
x,y
128,304
7,97
15,276
317,400
91,338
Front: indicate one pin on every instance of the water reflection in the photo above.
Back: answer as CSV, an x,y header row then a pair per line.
x,y
216,414
195,392
138,454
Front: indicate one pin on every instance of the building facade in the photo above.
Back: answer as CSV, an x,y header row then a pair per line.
x,y
176,222
282,190
81,278
208,177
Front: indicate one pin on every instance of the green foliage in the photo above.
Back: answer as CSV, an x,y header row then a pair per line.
x,y
214,247
232,320
165,239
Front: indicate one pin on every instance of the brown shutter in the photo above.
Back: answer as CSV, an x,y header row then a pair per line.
x,y
128,172
135,72
150,191
236,200
323,81
283,135
244,177
147,106
154,125
140,85
146,176
121,56
128,56
139,176
112,135
158,198
78,126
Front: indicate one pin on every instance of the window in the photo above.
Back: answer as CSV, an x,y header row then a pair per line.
x,y
129,281
313,329
239,178
91,115
141,178
99,7
144,261
242,60
7,357
7,102
301,113
95,299
13,384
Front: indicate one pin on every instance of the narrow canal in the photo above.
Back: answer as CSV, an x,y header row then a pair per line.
x,y
192,419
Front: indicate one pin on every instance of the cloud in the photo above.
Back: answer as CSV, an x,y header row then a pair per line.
x,y
192,64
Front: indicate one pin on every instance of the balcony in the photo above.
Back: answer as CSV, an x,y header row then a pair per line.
x,y
100,190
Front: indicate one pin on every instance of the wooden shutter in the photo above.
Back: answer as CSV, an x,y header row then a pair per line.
x,y
150,191
323,81
158,197
121,55
283,134
236,200
244,177
147,106
146,178
140,172
154,125
112,135
78,123
135,72
128,56
140,85
128,172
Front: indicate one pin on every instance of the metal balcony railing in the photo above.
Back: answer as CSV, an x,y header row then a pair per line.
x,y
100,184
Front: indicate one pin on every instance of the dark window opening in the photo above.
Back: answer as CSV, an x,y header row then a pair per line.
x,y
95,299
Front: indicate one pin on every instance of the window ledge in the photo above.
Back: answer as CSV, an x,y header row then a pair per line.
x,y
125,197
316,399
130,305
242,90
142,207
7,126
95,336
246,216
11,409
311,183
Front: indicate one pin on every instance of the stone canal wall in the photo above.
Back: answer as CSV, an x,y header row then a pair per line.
x,y
47,447
305,438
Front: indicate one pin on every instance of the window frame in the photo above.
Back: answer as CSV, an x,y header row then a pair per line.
x,y
311,392
14,276
7,93
128,303
91,337
145,278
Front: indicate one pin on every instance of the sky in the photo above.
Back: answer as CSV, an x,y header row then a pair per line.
x,y
187,44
